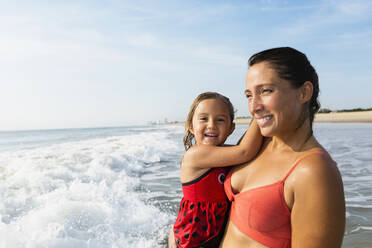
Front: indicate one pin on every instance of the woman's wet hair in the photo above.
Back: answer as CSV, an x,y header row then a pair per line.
x,y
293,66
188,137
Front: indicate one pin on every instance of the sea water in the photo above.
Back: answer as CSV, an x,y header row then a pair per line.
x,y
119,187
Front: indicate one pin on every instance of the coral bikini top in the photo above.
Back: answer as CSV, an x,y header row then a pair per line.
x,y
261,213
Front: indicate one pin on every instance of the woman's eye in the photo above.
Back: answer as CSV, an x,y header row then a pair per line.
x,y
267,90
221,120
248,96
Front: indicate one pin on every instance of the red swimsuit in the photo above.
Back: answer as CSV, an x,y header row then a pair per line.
x,y
202,211
261,213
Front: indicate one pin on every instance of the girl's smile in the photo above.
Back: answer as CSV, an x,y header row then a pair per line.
x,y
211,122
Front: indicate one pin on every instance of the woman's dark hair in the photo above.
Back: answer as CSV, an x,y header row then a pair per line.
x,y
293,66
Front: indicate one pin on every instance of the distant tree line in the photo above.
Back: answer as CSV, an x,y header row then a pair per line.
x,y
243,117
326,110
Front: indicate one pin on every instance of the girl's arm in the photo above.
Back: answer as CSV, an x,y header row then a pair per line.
x,y
318,212
171,241
205,156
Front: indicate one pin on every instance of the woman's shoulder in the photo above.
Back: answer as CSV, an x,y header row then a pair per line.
x,y
316,166
316,159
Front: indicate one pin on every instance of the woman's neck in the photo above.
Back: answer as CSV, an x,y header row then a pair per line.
x,y
293,140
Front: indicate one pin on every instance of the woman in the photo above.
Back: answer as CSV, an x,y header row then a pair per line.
x,y
291,194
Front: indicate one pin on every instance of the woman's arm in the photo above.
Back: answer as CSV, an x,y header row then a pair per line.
x,y
204,156
318,213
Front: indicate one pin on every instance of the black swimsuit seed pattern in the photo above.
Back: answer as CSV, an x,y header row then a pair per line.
x,y
199,222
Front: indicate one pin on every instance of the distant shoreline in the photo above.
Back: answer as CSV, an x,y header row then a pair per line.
x,y
359,116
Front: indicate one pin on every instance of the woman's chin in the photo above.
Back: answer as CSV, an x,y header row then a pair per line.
x,y
267,132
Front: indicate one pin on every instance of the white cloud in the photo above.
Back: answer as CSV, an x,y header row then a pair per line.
x,y
356,8
143,40
58,74
83,59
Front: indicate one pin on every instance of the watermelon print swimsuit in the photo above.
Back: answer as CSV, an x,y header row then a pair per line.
x,y
203,210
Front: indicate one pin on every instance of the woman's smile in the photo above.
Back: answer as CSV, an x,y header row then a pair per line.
x,y
265,120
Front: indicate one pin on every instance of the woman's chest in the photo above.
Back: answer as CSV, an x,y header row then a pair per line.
x,y
262,171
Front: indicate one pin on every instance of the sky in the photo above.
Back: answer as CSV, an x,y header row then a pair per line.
x,y
71,64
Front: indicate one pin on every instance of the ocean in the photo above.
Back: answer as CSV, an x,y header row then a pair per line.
x,y
119,187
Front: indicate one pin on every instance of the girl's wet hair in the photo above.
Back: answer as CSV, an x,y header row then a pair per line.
x,y
188,137
293,66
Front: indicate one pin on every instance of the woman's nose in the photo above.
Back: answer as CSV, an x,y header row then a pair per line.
x,y
255,104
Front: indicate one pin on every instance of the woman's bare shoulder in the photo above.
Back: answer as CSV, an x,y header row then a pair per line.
x,y
318,201
317,161
317,169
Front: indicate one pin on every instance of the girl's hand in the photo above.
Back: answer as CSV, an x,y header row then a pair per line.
x,y
171,241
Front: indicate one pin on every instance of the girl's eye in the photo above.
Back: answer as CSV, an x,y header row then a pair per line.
x,y
203,118
221,120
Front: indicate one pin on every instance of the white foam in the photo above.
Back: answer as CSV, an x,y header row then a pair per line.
x,y
82,193
359,228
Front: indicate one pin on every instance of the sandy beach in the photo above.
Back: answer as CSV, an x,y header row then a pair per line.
x,y
362,116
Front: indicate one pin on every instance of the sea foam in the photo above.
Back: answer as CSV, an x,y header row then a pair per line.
x,y
83,193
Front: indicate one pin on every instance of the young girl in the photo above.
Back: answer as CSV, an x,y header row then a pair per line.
x,y
204,206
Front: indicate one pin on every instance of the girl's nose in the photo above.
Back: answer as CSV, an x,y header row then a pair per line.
x,y
211,123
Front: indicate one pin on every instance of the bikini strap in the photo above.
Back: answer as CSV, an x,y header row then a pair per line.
x,y
302,158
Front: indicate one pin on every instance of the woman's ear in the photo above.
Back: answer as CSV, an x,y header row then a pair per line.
x,y
306,92
232,128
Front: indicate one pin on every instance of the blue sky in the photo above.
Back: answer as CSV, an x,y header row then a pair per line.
x,y
66,64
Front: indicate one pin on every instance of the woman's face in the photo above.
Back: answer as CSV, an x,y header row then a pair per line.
x,y
272,101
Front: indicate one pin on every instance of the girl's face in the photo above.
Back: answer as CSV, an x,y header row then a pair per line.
x,y
272,101
211,122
